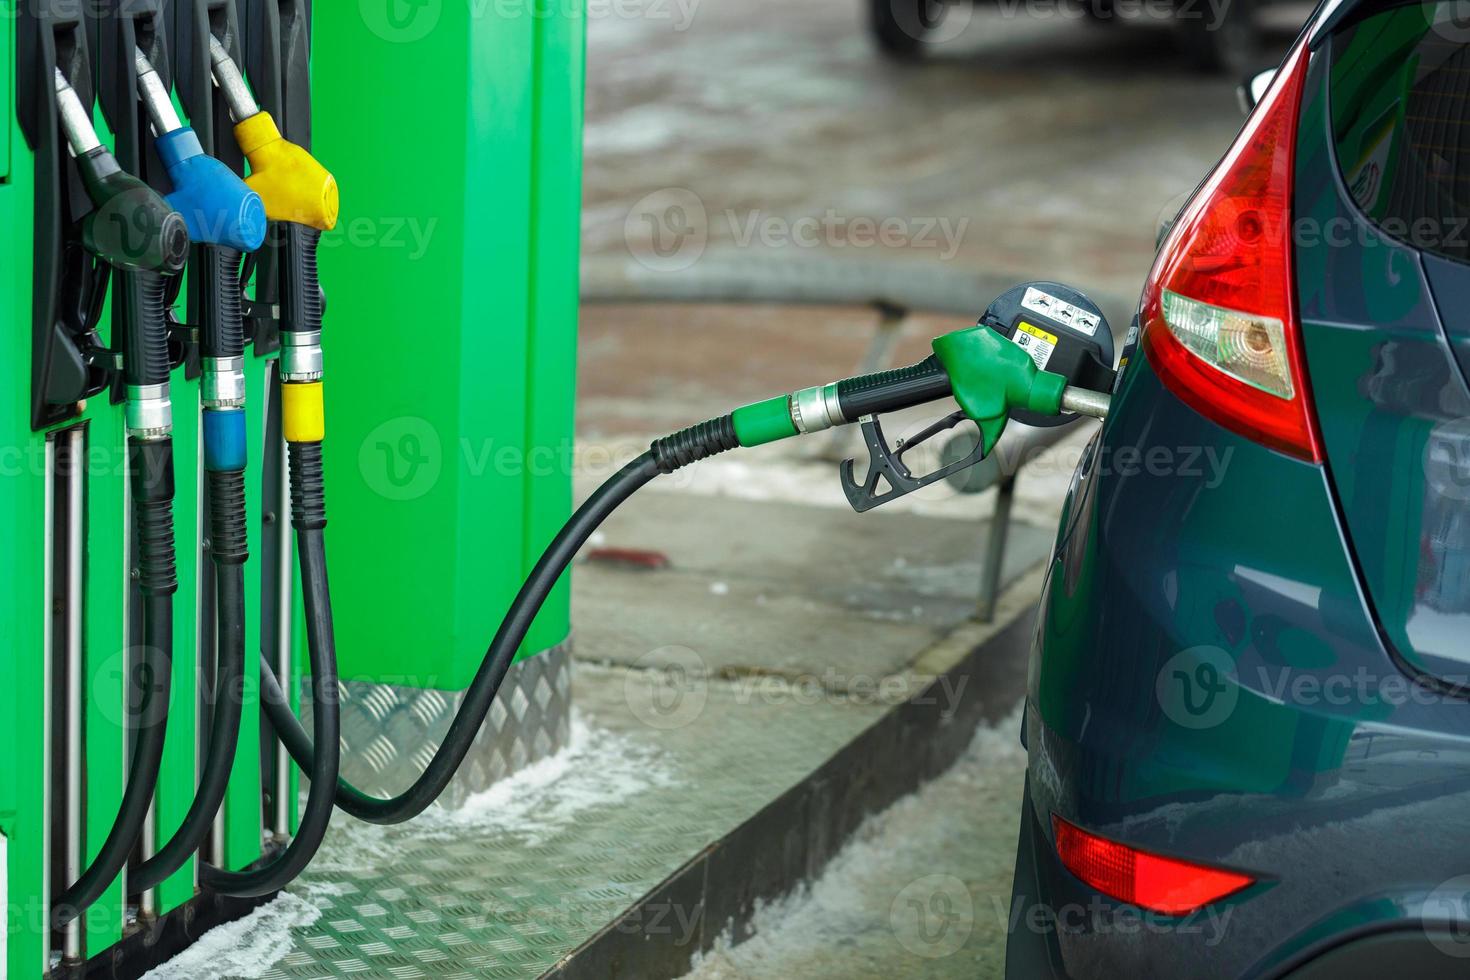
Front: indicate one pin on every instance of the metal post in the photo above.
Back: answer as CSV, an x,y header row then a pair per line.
x,y
284,618
71,449
995,548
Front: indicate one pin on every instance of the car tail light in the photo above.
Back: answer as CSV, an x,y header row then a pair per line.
x,y
1219,310
1149,881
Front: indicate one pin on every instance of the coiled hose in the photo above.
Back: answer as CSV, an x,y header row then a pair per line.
x,y
308,517
664,456
152,479
223,337
229,550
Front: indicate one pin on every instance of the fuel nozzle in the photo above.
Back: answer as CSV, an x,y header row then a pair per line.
x,y
997,370
130,225
293,185
217,205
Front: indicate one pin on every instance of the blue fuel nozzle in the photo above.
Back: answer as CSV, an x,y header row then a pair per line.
x,y
218,208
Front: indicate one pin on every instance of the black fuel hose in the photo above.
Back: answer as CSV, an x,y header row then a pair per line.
x,y
222,336
308,517
152,479
918,383
711,437
228,548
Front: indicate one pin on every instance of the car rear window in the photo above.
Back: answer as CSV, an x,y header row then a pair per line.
x,y
1400,88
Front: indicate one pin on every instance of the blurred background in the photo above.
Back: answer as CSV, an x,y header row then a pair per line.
x,y
764,140
779,193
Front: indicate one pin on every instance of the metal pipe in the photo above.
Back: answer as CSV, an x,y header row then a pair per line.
x,y
48,669
76,121
231,83
161,113
1094,404
75,831
284,617
995,550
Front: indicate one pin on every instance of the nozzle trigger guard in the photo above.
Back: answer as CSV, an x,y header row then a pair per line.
x,y
885,463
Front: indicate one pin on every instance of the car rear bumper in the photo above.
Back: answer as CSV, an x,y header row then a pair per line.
x,y
1319,772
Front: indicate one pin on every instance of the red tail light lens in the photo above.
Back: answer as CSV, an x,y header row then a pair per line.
x,y
1139,878
1219,310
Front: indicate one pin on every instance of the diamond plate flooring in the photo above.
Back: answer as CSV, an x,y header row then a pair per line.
x,y
670,749
451,896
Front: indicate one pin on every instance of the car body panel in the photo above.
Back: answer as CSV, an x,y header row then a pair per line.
x,y
1212,678
1299,771
1390,396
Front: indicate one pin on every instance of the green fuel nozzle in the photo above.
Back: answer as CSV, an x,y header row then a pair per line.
x,y
130,225
991,369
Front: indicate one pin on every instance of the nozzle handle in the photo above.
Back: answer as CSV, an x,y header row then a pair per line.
x,y
889,391
302,300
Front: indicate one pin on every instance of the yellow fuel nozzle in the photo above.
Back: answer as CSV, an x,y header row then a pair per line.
x,y
288,179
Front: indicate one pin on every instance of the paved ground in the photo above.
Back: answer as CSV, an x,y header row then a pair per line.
x,y
1038,146
730,133
922,891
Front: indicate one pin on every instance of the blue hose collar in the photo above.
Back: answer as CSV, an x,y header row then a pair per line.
x,y
224,439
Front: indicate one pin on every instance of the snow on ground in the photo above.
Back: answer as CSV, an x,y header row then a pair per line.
x,y
596,769
922,890
244,949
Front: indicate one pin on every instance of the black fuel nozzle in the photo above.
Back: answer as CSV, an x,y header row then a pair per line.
x,y
130,225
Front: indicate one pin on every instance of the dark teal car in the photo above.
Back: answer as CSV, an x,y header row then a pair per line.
x,y
1248,709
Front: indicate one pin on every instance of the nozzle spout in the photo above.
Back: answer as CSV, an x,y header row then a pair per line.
x,y
161,114
231,83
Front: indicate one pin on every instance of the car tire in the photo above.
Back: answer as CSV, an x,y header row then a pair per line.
x,y
1233,45
900,27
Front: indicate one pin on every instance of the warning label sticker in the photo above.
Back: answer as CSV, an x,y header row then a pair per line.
x,y
1060,310
1036,342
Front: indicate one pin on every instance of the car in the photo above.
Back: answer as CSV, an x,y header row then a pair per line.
x,y
1213,35
1247,716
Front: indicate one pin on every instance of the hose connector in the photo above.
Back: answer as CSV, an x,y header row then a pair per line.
x,y
222,382
303,413
301,355
224,440
817,408
148,414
